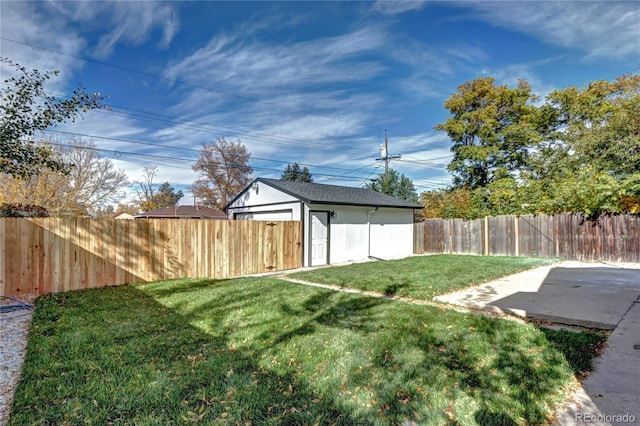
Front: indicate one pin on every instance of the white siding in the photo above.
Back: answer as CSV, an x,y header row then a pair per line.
x,y
352,238
355,232
392,233
263,198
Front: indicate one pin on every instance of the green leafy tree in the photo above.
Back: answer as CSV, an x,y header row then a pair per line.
x,y
454,203
601,124
493,129
167,196
294,172
577,152
592,157
26,109
395,184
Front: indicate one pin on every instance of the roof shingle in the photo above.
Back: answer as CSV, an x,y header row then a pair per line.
x,y
333,194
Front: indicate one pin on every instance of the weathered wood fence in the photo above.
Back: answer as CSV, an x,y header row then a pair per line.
x,y
59,254
609,238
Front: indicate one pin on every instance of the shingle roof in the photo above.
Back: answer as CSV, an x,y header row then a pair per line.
x,y
184,212
332,194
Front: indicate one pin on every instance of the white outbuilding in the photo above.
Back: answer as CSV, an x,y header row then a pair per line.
x,y
340,224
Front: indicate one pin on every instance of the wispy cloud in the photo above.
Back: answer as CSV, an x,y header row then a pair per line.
x,y
24,22
255,68
601,29
133,22
393,7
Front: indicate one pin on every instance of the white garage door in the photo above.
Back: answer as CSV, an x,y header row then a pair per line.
x,y
269,215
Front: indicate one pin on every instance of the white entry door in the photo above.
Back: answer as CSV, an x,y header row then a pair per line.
x,y
318,238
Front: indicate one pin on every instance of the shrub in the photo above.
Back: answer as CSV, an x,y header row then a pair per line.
x,y
22,210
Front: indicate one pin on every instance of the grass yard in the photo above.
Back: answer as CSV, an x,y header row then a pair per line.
x,y
254,351
421,277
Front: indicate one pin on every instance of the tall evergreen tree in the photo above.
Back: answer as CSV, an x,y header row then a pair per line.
x,y
395,184
293,172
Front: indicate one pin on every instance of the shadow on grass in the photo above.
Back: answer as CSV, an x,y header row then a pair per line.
x,y
329,309
263,351
117,355
579,349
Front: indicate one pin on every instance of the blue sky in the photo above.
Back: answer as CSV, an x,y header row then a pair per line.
x,y
310,82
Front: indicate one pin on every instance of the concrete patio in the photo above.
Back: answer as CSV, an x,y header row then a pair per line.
x,y
593,295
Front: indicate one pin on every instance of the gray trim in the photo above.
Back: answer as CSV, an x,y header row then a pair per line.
x,y
304,248
337,203
262,205
328,212
258,213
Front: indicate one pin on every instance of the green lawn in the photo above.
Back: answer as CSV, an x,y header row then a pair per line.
x,y
421,277
265,351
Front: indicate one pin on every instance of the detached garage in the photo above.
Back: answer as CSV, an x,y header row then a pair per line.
x,y
340,224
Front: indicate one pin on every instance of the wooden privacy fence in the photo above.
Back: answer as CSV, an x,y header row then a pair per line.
x,y
609,238
59,254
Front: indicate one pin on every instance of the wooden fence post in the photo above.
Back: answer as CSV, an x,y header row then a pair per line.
x,y
516,235
486,235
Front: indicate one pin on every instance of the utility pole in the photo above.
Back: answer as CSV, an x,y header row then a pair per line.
x,y
384,153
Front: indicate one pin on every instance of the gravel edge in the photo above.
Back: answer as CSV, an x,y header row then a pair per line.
x,y
14,335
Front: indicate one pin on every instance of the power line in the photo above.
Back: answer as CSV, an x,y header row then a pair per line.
x,y
180,82
261,136
120,153
198,151
267,138
196,86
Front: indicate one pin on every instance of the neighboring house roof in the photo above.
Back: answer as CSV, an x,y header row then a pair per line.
x,y
183,212
123,215
317,193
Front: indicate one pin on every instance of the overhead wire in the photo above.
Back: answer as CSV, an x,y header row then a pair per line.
x,y
120,153
262,135
347,171
196,86
182,83
210,128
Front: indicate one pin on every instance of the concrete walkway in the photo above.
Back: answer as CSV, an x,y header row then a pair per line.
x,y
594,295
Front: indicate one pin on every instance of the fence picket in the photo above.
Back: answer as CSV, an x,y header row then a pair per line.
x,y
609,238
60,254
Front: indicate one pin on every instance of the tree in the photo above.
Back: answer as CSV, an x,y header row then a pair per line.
x,y
151,198
22,210
592,158
293,172
26,109
146,191
89,185
601,123
577,152
394,184
454,203
167,196
93,181
493,129
224,169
